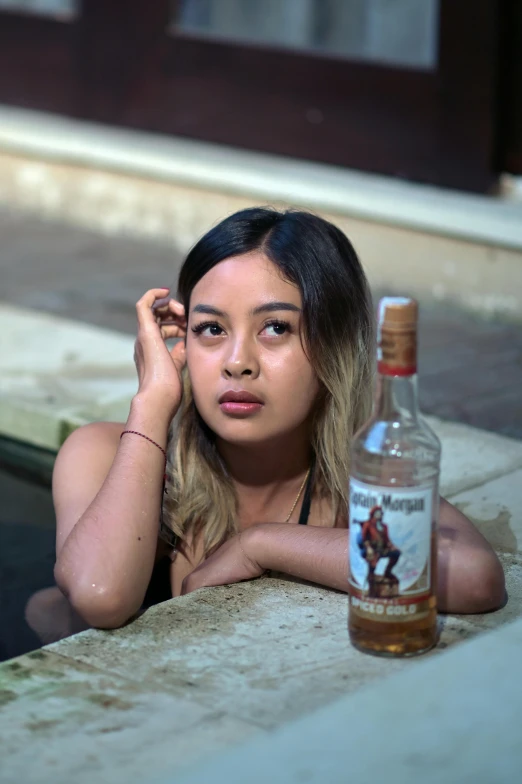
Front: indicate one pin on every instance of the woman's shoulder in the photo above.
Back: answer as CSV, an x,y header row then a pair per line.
x,y
81,466
97,432
94,444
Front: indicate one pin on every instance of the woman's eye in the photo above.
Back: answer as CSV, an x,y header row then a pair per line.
x,y
276,328
208,330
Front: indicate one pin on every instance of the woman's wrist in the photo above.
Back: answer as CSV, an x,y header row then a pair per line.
x,y
150,416
256,544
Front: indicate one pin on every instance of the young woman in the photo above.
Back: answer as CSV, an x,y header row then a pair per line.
x,y
261,399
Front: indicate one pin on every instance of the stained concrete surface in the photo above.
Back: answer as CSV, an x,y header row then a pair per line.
x,y
86,373
193,676
237,647
102,726
454,718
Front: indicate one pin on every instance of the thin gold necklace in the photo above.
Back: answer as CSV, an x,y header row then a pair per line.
x,y
298,496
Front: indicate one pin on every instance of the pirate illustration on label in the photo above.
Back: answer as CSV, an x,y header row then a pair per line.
x,y
375,543
390,539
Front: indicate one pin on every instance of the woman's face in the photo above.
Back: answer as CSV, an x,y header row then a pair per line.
x,y
251,379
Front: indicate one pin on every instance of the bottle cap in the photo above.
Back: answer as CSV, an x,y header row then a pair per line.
x,y
397,336
398,313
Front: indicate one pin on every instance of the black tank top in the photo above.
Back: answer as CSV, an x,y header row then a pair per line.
x,y
307,499
159,589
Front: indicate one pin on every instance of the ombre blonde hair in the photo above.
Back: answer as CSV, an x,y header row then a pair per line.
x,y
337,337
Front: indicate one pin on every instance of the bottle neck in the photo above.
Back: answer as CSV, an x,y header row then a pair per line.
x,y
396,398
396,394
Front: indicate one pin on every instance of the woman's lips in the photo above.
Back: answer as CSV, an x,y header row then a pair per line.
x,y
239,403
241,410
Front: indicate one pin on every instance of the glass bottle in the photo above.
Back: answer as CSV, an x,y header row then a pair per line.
x,y
394,502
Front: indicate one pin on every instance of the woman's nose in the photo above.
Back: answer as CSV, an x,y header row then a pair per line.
x,y
241,361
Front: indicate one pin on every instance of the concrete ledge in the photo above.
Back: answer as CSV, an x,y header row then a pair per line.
x,y
262,176
455,719
428,242
84,374
201,673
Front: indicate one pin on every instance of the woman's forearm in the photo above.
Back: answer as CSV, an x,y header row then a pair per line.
x,y
469,576
106,562
319,555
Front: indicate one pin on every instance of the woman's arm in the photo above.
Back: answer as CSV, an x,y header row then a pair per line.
x,y
107,495
470,577
107,491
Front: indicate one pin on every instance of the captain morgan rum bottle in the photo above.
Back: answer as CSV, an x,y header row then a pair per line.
x,y
393,502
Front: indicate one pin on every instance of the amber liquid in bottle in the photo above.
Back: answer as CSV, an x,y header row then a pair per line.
x,y
394,502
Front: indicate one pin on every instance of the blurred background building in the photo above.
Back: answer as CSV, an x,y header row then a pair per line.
x,y
427,90
400,119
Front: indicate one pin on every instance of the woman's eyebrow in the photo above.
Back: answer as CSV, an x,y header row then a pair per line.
x,y
269,307
209,310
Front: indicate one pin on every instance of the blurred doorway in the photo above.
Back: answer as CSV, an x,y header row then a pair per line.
x,y
428,91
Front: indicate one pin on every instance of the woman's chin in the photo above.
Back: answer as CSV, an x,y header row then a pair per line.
x,y
243,436
242,432
254,430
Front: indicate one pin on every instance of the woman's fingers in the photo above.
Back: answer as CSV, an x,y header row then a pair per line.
x,y
171,330
160,312
154,307
162,303
159,319
170,311
145,304
168,306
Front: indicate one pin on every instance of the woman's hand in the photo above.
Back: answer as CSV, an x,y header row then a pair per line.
x,y
233,562
159,369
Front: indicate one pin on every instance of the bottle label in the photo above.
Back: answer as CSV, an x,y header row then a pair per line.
x,y
390,551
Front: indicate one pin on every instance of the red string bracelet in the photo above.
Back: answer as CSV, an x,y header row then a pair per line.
x,y
135,433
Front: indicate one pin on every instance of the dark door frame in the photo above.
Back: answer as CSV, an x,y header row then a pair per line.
x,y
121,62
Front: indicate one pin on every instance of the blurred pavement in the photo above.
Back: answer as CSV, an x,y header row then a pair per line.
x,y
470,369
